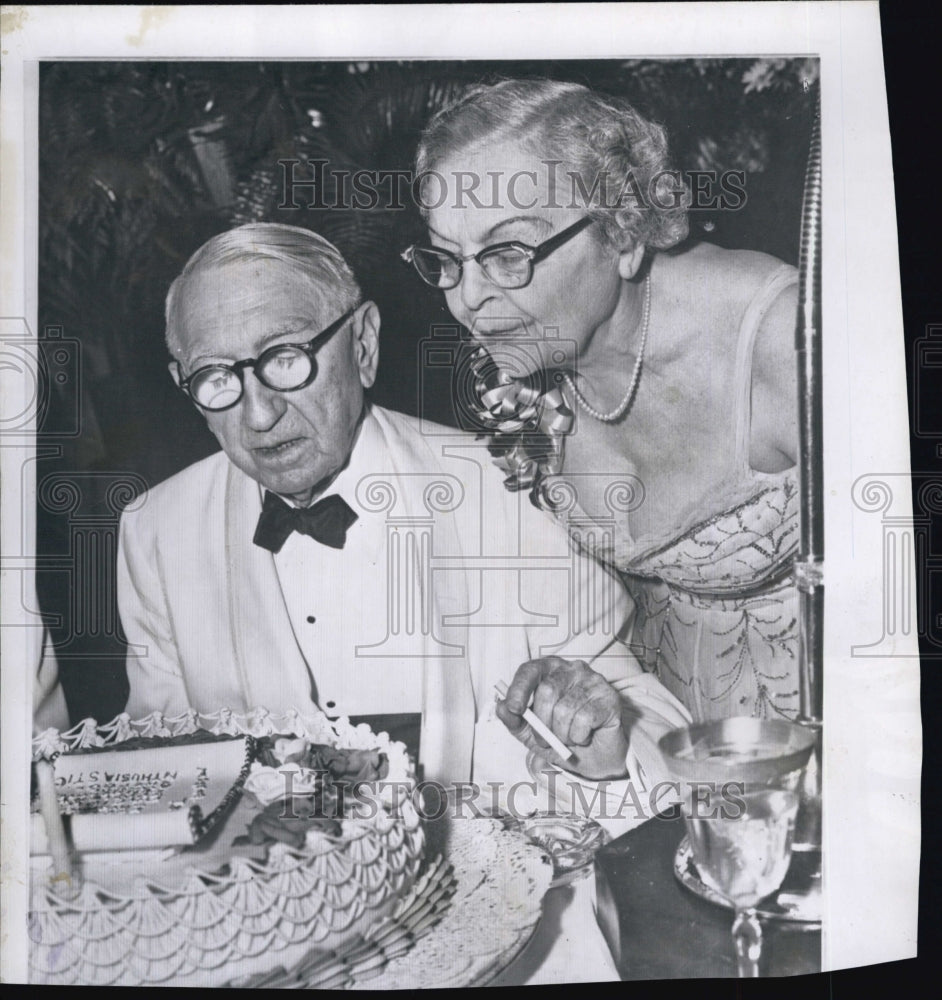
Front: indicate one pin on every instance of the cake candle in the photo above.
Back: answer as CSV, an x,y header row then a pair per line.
x,y
55,828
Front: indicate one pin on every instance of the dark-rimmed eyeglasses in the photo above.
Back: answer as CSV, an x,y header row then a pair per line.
x,y
508,265
284,368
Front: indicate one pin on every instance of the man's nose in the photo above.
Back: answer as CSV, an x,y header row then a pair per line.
x,y
262,407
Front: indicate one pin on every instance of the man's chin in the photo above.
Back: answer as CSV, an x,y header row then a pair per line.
x,y
300,489
298,472
301,495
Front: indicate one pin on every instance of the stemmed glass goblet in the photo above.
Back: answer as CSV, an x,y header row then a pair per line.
x,y
740,797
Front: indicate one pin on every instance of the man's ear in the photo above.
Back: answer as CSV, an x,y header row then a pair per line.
x,y
174,368
629,260
366,342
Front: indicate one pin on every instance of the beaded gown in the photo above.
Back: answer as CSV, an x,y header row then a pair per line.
x,y
716,607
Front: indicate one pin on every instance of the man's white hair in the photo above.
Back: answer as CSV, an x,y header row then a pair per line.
x,y
333,286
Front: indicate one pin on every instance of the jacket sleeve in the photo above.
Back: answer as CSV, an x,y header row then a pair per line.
x,y
153,659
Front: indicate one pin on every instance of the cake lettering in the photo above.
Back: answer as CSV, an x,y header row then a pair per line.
x,y
94,777
110,792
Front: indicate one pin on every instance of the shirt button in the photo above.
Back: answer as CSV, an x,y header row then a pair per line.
x,y
330,704
311,619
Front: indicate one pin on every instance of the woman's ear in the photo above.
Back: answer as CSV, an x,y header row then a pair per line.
x,y
630,260
366,342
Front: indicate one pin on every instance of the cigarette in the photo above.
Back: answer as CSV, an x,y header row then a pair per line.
x,y
538,726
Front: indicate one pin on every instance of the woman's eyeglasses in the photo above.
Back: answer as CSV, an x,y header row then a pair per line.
x,y
284,368
508,265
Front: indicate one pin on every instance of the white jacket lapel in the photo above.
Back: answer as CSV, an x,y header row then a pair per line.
x,y
271,669
448,714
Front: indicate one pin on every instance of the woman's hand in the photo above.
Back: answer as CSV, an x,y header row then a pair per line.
x,y
578,705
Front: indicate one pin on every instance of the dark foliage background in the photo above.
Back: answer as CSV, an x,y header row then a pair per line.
x,y
140,163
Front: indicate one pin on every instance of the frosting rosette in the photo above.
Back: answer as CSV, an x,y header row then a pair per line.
x,y
269,785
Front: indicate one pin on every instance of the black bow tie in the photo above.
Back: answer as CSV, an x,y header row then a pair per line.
x,y
327,522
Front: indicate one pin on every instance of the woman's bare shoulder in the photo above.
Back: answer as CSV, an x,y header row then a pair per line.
x,y
734,275
736,278
705,292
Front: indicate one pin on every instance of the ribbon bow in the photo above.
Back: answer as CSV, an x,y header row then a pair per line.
x,y
527,427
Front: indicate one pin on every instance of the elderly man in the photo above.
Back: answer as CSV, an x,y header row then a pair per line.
x,y
339,555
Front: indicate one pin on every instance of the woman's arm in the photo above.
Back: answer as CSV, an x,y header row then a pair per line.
x,y
774,428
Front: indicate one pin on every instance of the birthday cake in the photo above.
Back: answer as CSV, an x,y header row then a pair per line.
x,y
211,850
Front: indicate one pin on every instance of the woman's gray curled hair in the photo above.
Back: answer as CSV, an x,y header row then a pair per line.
x,y
618,157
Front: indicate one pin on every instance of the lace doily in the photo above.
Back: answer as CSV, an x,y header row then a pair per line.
x,y
501,881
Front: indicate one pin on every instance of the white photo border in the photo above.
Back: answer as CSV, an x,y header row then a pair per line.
x,y
872,725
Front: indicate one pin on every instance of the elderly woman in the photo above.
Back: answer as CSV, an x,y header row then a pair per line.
x,y
660,379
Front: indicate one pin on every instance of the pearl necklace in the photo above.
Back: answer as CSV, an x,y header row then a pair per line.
x,y
620,410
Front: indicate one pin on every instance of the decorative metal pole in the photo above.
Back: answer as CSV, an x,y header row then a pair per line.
x,y
810,558
808,565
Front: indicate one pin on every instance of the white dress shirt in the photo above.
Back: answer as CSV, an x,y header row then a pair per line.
x,y
336,600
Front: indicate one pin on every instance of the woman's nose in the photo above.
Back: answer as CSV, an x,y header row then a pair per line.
x,y
475,288
262,407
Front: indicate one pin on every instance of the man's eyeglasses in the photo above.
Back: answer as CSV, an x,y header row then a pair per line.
x,y
508,265
284,368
